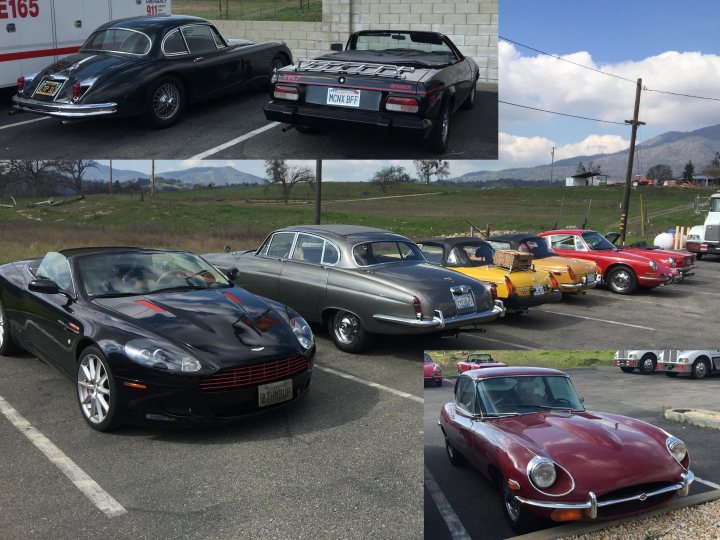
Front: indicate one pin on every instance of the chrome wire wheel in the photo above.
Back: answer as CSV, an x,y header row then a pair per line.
x,y
512,506
347,327
94,389
166,101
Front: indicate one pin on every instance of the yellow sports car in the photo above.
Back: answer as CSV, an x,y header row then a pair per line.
x,y
518,289
574,275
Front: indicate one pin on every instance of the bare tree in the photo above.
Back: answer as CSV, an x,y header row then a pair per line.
x,y
660,172
73,171
29,177
286,176
591,167
389,176
429,168
713,168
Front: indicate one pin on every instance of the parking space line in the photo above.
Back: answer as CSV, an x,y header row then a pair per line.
x,y
598,320
91,489
454,525
708,293
707,483
233,142
526,347
25,122
370,383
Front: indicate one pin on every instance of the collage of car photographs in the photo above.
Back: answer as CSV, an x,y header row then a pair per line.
x,y
231,231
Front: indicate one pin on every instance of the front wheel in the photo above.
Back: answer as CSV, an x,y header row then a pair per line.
x,y
700,369
7,345
456,458
469,102
165,102
347,332
627,369
622,280
647,364
520,520
437,142
96,391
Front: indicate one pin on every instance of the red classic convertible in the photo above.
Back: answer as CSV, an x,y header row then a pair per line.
x,y
478,361
623,271
529,433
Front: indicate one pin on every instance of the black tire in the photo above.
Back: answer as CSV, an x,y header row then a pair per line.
x,y
520,520
437,142
97,391
7,344
622,280
456,458
647,363
438,382
701,368
347,332
671,373
698,256
165,102
627,369
278,62
469,102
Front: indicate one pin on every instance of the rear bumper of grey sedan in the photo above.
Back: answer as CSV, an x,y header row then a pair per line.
x,y
440,322
63,110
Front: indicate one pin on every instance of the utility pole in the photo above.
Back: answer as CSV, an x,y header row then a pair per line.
x,y
111,186
152,180
318,187
552,164
631,157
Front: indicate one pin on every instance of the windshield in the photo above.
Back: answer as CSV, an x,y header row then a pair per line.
x,y
480,358
522,394
137,273
371,253
119,40
412,45
537,246
597,241
473,254
715,204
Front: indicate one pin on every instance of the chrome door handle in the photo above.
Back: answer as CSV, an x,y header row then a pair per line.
x,y
198,59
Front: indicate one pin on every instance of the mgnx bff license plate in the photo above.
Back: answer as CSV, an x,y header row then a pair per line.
x,y
343,97
269,394
48,88
464,301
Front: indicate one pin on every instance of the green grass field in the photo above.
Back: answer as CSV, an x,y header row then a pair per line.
x,y
549,359
207,220
251,10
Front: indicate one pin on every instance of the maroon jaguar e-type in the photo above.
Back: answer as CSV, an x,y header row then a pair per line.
x,y
528,432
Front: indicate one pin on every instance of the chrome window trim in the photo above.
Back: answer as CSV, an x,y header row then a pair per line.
x,y
170,33
211,27
122,52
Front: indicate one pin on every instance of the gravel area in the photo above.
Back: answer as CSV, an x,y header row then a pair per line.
x,y
701,522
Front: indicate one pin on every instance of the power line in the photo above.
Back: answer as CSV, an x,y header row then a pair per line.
x,y
562,114
679,94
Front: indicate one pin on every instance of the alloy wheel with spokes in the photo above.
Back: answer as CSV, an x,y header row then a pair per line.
x,y
96,390
165,102
622,280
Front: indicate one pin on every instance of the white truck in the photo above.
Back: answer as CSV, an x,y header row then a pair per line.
x,y
706,238
698,364
645,360
35,33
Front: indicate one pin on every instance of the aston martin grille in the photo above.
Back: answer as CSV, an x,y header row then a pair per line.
x,y
265,372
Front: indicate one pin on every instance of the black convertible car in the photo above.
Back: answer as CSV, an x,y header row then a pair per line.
x,y
408,82
148,65
154,335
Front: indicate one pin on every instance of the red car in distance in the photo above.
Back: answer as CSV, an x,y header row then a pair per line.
x,y
432,371
478,361
623,271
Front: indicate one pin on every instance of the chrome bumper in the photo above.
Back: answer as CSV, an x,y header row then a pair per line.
x,y
591,505
439,321
63,110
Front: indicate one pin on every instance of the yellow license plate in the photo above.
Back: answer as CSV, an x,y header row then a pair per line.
x,y
48,88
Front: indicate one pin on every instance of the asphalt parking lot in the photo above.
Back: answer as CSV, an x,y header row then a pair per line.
x,y
476,504
232,127
346,462
679,316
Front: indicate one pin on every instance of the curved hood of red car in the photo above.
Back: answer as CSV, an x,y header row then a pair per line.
x,y
600,453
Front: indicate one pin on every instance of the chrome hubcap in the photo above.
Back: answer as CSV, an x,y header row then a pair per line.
x,y
648,364
347,327
700,369
621,280
93,389
166,101
512,506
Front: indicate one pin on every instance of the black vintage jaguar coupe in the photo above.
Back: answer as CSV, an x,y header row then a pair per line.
x,y
405,81
148,65
154,335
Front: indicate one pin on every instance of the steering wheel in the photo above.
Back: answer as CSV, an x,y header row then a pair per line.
x,y
168,276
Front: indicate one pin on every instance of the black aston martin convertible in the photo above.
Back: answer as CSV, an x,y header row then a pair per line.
x,y
154,335
148,65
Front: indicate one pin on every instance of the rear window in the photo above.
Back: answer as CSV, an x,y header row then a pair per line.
x,y
119,40
372,253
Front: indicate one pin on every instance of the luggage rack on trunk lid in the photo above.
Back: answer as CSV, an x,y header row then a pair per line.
x,y
355,68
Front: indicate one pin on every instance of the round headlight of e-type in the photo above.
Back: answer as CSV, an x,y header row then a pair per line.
x,y
302,332
541,472
160,354
677,448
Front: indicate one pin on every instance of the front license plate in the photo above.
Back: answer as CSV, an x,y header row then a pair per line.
x,y
538,290
48,88
343,97
590,278
269,394
464,301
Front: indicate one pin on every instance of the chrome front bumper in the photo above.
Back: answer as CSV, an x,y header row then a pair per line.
x,y
63,110
439,321
592,504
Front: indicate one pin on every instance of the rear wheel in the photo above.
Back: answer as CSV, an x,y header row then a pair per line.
x,y
7,345
437,142
469,102
627,369
96,391
347,332
700,369
165,102
622,280
455,457
647,363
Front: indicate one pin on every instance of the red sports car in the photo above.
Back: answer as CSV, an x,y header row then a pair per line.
x,y
681,259
432,371
529,433
622,271
478,361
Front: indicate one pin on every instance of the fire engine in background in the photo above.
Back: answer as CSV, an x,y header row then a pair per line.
x,y
35,33
704,239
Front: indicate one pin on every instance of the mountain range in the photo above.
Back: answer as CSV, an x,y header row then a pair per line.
x,y
218,176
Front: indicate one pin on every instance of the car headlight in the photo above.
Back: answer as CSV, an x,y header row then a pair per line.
x,y
438,369
672,262
161,355
677,448
541,472
302,332
694,237
653,265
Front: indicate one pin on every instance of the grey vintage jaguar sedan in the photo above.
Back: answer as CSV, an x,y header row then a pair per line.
x,y
359,281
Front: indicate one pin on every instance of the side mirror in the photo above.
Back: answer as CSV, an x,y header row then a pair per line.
x,y
44,286
232,274
336,47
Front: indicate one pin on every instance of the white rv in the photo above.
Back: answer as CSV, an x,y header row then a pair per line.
x,y
706,238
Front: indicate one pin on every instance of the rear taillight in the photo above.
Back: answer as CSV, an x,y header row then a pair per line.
x,y
76,89
417,307
571,273
21,84
493,291
286,92
509,285
402,104
554,282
